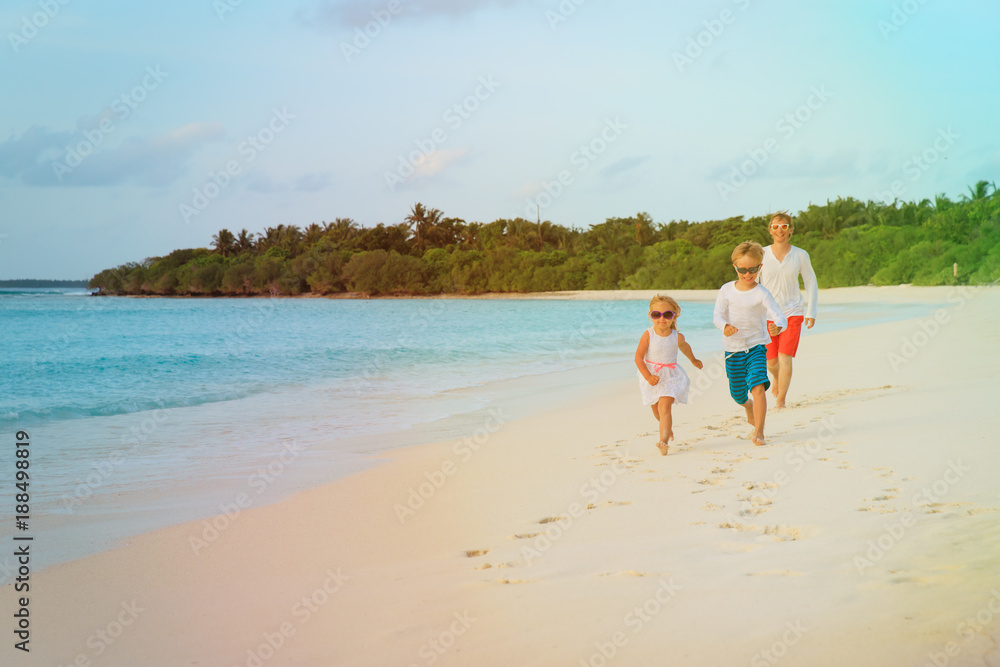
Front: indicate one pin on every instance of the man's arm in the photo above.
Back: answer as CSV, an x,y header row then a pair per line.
x,y
812,289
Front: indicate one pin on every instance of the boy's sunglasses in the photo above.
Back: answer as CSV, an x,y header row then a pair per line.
x,y
655,314
783,225
752,269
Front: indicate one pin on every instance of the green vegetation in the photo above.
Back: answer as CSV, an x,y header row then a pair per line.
x,y
851,243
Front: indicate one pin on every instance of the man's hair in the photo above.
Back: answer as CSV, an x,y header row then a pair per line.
x,y
751,248
782,216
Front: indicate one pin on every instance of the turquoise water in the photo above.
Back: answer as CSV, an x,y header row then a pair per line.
x,y
70,356
149,412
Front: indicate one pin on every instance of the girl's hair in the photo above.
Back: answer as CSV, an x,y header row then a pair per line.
x,y
674,306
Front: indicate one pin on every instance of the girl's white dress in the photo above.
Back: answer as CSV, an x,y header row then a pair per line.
x,y
673,380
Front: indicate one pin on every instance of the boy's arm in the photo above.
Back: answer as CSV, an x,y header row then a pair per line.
x,y
640,355
774,312
721,313
812,288
721,309
685,348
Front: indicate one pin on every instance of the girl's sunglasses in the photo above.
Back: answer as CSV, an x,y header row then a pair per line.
x,y
655,314
752,269
783,225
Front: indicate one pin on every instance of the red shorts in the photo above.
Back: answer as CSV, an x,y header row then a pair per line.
x,y
787,342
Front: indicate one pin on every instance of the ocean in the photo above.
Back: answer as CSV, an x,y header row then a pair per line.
x,y
144,413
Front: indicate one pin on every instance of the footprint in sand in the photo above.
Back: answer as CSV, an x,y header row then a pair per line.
x,y
754,505
524,536
881,509
475,553
781,533
551,519
592,506
937,508
750,486
512,581
983,510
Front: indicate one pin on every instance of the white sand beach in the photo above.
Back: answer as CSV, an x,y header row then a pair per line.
x,y
866,532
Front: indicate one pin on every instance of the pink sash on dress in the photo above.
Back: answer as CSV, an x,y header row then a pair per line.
x,y
657,367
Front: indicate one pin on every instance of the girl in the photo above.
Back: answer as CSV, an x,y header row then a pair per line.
x,y
661,380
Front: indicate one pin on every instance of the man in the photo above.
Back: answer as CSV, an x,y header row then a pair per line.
x,y
779,274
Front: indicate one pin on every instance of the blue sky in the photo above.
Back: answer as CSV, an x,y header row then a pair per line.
x,y
130,130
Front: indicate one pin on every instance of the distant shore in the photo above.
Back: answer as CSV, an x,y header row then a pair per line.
x,y
830,295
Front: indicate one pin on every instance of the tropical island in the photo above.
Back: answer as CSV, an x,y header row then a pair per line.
x,y
931,242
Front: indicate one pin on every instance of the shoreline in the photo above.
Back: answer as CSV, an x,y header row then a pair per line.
x,y
543,537
833,295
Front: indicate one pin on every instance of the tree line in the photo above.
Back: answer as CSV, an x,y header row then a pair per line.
x,y
931,242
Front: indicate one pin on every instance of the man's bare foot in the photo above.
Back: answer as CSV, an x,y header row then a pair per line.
x,y
663,447
779,403
749,408
757,439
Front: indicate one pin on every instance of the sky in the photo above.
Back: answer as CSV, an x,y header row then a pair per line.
x,y
129,130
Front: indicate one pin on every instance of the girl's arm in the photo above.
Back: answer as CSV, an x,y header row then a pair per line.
x,y
640,354
683,346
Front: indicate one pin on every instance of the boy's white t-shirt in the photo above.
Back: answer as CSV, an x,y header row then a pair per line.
x,y
749,312
781,279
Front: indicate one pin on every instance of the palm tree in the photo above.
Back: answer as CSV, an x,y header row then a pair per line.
x,y
468,236
268,239
942,203
244,241
224,242
341,229
980,191
313,234
422,221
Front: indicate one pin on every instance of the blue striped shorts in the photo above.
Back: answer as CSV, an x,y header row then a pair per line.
x,y
745,371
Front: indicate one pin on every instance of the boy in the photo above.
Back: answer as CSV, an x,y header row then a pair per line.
x,y
742,310
782,265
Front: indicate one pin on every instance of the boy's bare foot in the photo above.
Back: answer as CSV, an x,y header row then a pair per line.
x,y
774,389
757,439
779,404
662,446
